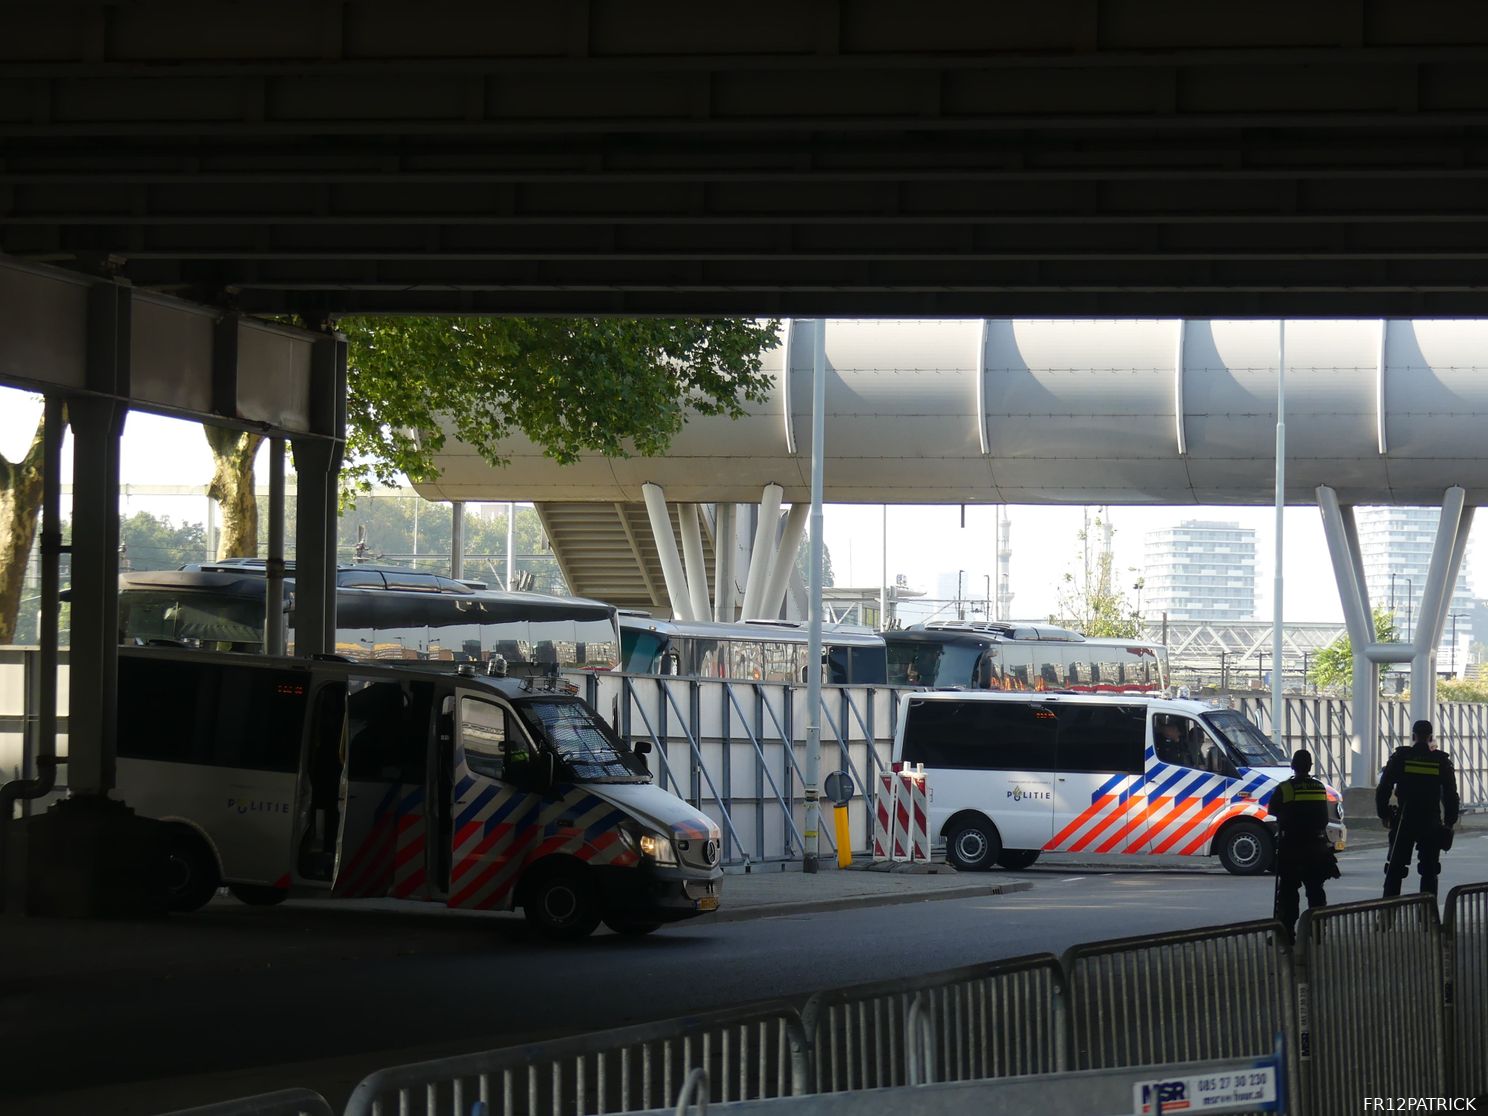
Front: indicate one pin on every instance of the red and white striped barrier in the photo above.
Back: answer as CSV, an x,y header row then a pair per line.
x,y
901,829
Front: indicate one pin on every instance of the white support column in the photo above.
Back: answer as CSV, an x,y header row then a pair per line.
x,y
666,550
1343,547
692,554
725,543
785,561
1436,599
763,552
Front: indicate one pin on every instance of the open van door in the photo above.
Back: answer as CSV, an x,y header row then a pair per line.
x,y
384,847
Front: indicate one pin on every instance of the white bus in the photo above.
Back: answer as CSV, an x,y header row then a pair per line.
x,y
293,776
1011,776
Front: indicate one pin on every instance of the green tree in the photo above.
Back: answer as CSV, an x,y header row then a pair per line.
x,y
1333,667
148,542
1462,689
20,507
1090,601
611,386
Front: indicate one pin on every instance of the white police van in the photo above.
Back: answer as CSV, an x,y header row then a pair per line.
x,y
1013,775
315,777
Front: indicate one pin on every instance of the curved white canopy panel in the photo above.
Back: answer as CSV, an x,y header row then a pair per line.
x,y
1050,411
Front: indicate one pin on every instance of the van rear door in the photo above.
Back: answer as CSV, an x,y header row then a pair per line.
x,y
1100,769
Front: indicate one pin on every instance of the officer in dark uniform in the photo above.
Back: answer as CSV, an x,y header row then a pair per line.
x,y
1425,787
1304,855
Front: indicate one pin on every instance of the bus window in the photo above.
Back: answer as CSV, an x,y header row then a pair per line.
x,y
1050,662
779,662
744,659
866,666
913,664
837,666
707,658
1077,668
1017,667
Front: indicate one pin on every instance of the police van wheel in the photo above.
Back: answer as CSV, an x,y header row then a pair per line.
x,y
191,876
974,846
258,895
1015,860
562,905
1246,849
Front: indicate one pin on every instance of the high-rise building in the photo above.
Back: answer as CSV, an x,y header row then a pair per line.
x,y
1200,570
1395,544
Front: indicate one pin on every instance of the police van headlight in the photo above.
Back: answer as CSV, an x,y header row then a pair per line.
x,y
655,847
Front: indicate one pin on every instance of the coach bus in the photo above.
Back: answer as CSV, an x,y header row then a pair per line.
x,y
758,651
383,613
992,656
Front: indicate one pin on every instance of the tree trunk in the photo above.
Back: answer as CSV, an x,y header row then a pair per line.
x,y
233,454
20,507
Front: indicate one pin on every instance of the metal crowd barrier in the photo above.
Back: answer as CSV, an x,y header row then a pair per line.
x,y
1184,996
1369,991
1466,930
995,1020
746,1054
286,1102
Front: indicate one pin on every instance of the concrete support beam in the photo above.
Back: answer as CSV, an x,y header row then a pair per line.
x,y
762,554
457,539
725,543
318,463
666,550
1436,599
784,563
274,625
692,553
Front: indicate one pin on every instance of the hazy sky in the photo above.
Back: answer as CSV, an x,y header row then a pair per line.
x,y
926,544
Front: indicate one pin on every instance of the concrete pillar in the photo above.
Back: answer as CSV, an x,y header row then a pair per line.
x,y
692,553
666,550
785,561
725,543
318,463
762,554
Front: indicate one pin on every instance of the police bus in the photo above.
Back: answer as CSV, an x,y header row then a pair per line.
x,y
285,776
753,650
1030,657
383,613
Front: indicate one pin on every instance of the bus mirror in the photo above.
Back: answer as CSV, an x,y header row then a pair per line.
x,y
642,747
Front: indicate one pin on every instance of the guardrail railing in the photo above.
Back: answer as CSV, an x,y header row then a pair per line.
x,y
1465,928
1370,996
995,1020
747,1054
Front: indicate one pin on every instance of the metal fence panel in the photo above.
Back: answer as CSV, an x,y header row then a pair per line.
x,y
748,1054
1466,931
1370,995
1180,997
286,1102
995,1020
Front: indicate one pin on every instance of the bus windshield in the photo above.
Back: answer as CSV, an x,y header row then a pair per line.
x,y
1255,747
585,744
203,620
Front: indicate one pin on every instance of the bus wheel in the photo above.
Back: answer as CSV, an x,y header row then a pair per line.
x,y
258,895
1015,860
630,927
563,905
974,846
1246,848
191,872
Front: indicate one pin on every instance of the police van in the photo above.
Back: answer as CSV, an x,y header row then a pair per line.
x,y
311,777
1011,776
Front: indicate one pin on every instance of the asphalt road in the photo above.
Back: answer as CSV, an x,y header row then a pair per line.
x,y
349,991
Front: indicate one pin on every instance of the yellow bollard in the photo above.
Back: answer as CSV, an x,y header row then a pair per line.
x,y
844,838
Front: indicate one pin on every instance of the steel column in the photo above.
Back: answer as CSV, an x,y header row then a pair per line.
x,y
1435,600
763,552
666,551
725,543
785,561
274,563
457,539
692,554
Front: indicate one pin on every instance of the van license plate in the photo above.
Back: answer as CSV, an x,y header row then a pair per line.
x,y
708,903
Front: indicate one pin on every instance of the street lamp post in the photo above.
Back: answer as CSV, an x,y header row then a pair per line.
x,y
960,607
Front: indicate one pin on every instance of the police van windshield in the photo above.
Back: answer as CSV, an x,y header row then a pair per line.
x,y
586,745
1256,749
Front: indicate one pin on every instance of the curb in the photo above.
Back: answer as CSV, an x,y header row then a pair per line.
x,y
848,902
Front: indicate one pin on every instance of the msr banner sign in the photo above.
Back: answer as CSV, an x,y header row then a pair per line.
x,y
1232,1091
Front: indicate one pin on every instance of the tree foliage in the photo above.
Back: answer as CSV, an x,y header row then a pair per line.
x,y
1462,689
1333,667
1090,600
575,386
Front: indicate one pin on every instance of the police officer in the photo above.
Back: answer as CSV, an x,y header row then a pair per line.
x,y
1304,855
1425,786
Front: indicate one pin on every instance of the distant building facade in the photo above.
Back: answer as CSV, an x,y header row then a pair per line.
x,y
1395,544
1200,570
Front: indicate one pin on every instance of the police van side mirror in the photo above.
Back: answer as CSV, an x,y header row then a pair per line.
x,y
642,747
